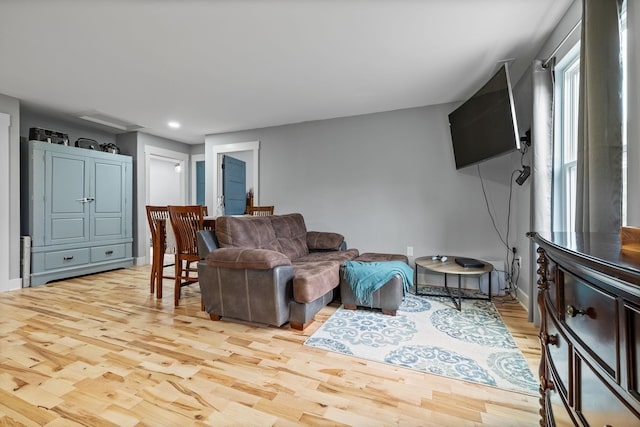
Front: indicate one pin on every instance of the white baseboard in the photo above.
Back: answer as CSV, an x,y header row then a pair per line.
x,y
11,285
142,260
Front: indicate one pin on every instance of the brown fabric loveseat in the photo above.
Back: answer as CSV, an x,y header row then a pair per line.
x,y
270,269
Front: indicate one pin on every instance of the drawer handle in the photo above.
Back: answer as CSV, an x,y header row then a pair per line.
x,y
573,312
550,339
546,384
108,252
67,258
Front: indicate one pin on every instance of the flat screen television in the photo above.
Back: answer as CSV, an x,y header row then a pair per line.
x,y
485,125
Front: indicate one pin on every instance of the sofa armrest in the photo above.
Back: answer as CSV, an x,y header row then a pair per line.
x,y
207,242
325,241
243,258
260,296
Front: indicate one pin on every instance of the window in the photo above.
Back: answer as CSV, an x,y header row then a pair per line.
x,y
566,135
567,90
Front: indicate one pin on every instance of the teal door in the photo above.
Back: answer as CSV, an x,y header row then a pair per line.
x,y
234,185
200,178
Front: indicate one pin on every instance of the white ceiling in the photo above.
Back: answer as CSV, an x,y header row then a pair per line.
x,y
219,66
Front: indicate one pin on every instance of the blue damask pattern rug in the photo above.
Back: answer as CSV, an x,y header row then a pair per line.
x,y
430,335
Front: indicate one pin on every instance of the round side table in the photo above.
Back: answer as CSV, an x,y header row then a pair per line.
x,y
450,266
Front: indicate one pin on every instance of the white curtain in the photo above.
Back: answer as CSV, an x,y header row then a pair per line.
x,y
599,157
542,166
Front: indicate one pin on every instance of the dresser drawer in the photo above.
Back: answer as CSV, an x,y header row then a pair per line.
x,y
632,313
559,357
595,403
106,253
592,316
551,274
66,258
559,413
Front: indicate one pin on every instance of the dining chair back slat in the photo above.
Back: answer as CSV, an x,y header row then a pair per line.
x,y
157,216
186,221
260,210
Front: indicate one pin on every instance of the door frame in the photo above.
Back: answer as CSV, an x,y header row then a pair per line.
x,y
213,155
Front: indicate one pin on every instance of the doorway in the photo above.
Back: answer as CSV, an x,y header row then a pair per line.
x,y
165,182
234,185
213,155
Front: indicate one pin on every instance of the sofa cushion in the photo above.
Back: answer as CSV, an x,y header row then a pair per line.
x,y
324,241
251,259
340,256
291,234
314,279
376,257
246,232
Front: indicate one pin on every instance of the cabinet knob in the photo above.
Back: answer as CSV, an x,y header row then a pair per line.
x,y
573,312
67,258
108,252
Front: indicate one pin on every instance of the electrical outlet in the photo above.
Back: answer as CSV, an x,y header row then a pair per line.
x,y
519,260
409,250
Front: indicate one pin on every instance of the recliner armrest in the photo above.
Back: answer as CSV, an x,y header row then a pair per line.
x,y
243,258
207,242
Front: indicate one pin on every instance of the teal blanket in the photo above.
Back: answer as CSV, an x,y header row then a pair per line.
x,y
367,277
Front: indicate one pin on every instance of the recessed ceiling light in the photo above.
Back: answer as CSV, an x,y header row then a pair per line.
x,y
173,124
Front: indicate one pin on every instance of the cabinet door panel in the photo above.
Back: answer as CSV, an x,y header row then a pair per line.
x,y
109,193
108,227
109,206
66,212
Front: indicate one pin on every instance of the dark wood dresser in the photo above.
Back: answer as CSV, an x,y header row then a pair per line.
x,y
589,301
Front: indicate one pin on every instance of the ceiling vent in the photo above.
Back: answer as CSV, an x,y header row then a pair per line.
x,y
107,120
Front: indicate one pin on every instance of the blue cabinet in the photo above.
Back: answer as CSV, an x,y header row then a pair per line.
x,y
80,210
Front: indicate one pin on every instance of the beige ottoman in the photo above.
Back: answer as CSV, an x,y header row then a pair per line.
x,y
388,298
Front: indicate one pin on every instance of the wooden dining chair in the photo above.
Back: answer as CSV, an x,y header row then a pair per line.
x,y
158,216
186,222
260,210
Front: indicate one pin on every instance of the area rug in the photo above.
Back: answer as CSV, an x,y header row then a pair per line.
x,y
428,334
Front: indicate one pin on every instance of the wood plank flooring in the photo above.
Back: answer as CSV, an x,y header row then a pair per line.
x,y
100,350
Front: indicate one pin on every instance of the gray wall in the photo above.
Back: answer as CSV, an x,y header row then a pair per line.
x,y
386,181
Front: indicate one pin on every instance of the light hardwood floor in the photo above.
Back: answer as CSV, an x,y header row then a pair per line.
x,y
100,350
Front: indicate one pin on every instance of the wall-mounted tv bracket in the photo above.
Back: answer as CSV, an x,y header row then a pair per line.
x,y
526,170
526,139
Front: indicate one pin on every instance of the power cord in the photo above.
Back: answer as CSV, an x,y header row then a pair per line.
x,y
511,287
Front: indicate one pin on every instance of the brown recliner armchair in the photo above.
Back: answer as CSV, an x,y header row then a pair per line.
x,y
269,269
